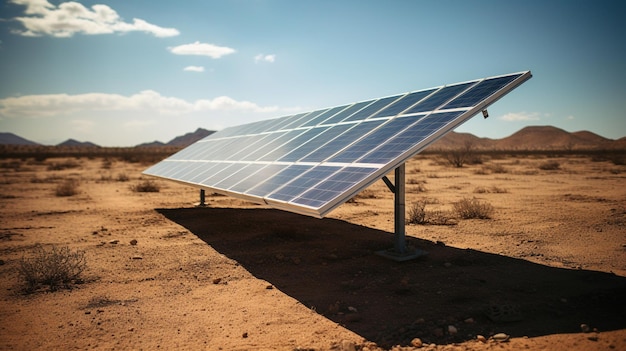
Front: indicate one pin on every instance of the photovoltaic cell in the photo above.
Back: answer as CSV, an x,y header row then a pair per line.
x,y
312,162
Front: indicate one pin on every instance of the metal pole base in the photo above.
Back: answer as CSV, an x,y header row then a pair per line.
x,y
407,255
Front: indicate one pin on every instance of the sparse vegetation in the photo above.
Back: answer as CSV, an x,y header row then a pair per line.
x,y
417,213
146,186
473,208
54,267
68,187
122,177
459,157
550,165
59,166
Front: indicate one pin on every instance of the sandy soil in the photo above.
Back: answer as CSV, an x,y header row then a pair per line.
x,y
239,276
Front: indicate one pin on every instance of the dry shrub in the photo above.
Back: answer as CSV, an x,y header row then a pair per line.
x,y
550,166
146,186
68,187
417,213
473,208
122,177
54,267
59,166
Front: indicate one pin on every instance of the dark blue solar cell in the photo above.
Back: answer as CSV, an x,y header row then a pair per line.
x,y
186,168
404,103
480,92
286,122
372,140
323,116
299,137
302,183
410,137
222,173
342,141
308,120
259,177
206,171
341,116
439,98
372,108
277,180
275,140
239,175
334,186
315,143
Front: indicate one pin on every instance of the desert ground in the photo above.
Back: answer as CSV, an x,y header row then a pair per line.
x,y
546,271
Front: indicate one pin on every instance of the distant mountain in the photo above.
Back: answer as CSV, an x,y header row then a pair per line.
x,y
76,143
12,139
190,138
155,143
549,137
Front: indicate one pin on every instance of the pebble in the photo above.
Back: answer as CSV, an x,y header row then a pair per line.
x,y
585,328
452,330
114,241
417,342
481,338
500,337
137,258
217,280
347,345
133,242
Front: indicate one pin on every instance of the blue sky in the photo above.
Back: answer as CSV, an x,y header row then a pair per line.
x,y
122,72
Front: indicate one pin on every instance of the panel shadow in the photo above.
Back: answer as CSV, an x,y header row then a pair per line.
x,y
329,265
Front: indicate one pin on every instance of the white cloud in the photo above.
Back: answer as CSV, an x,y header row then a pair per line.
x,y
202,49
69,18
521,116
264,58
148,101
194,69
82,125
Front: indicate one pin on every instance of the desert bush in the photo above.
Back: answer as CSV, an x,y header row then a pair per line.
x,y
122,177
494,189
417,213
473,208
550,166
68,187
146,186
59,166
54,267
459,157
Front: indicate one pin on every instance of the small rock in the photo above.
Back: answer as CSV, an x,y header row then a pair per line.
x,y
137,258
133,242
352,309
244,335
114,241
217,280
131,329
269,287
585,328
593,338
452,330
481,338
469,321
87,312
347,345
417,342
501,337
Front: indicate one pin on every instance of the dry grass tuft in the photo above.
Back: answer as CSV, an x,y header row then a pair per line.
x,y
146,186
68,187
55,267
473,208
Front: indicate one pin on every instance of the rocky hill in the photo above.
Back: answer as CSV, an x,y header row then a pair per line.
x,y
12,139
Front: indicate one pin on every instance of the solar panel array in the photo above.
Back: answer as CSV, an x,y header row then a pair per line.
x,y
310,163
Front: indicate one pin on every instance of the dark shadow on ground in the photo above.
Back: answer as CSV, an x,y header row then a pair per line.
x,y
330,265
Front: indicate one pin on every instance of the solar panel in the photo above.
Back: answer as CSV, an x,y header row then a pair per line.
x,y
310,163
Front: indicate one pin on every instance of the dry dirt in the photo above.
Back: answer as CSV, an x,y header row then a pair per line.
x,y
240,276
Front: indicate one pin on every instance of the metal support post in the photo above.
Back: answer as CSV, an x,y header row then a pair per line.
x,y
202,199
399,252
